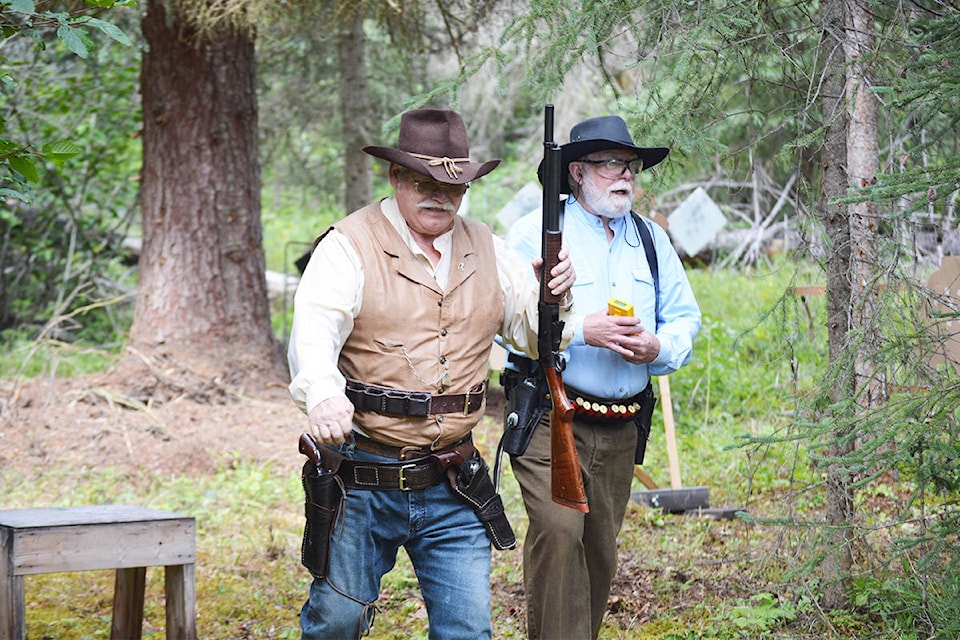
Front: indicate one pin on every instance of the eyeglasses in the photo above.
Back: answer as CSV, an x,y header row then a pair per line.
x,y
613,168
430,187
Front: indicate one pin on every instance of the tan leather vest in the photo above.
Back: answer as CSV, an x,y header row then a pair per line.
x,y
410,335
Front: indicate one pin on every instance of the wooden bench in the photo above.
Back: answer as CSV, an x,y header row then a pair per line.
x,y
126,538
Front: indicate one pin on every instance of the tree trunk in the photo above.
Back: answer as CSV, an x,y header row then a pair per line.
x,y
202,300
354,107
862,163
839,505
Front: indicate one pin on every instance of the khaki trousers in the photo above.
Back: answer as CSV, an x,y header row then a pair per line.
x,y
569,557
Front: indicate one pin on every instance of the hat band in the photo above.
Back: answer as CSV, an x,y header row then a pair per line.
x,y
449,164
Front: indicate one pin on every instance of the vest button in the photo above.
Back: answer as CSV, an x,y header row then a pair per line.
x,y
443,332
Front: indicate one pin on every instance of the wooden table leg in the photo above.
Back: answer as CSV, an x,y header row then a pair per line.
x,y
128,597
181,597
11,605
11,592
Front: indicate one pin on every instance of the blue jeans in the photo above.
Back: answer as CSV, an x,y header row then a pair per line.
x,y
445,541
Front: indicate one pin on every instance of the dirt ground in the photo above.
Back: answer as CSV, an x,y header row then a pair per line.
x,y
97,420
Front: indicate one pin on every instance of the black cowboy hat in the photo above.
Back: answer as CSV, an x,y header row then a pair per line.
x,y
434,142
600,134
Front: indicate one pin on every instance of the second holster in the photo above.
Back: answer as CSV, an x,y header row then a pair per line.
x,y
471,481
643,420
527,401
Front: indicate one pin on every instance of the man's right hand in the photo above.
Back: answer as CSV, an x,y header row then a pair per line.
x,y
332,420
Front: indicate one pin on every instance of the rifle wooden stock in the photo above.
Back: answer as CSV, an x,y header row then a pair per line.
x,y
566,480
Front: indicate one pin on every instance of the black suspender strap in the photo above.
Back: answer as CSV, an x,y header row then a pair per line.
x,y
648,248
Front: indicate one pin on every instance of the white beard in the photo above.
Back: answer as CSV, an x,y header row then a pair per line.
x,y
606,203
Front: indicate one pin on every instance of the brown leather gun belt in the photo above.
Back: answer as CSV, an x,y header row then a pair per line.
x,y
425,469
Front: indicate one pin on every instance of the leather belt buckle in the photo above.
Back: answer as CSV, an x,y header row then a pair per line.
x,y
402,478
473,394
411,450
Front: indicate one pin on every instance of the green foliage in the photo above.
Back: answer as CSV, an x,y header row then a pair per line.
x,y
760,614
301,122
23,355
61,246
923,96
715,81
292,224
901,606
21,18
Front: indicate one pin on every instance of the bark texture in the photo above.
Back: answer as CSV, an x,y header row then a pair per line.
x,y
839,506
202,298
863,159
354,107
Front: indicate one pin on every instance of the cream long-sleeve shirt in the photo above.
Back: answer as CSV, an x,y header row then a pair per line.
x,y
330,295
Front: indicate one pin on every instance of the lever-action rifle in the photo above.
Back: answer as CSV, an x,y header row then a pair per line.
x,y
566,481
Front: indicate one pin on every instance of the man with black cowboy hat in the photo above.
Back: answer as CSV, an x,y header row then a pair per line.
x,y
570,557
393,324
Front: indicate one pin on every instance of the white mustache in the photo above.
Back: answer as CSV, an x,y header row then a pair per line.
x,y
620,185
433,204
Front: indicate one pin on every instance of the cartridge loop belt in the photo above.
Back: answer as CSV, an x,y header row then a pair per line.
x,y
366,397
594,409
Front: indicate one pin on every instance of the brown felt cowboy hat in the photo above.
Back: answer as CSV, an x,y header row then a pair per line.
x,y
434,142
600,134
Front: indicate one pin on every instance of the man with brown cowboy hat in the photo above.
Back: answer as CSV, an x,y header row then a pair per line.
x,y
570,557
394,320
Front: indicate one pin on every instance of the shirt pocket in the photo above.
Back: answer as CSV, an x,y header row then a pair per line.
x,y
645,293
642,277
585,278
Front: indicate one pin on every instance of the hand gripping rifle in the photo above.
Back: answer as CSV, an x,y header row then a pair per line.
x,y
566,480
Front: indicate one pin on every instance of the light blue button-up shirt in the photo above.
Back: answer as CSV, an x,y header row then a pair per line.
x,y
618,269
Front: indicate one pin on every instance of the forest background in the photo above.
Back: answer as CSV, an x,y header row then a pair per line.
x,y
224,135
